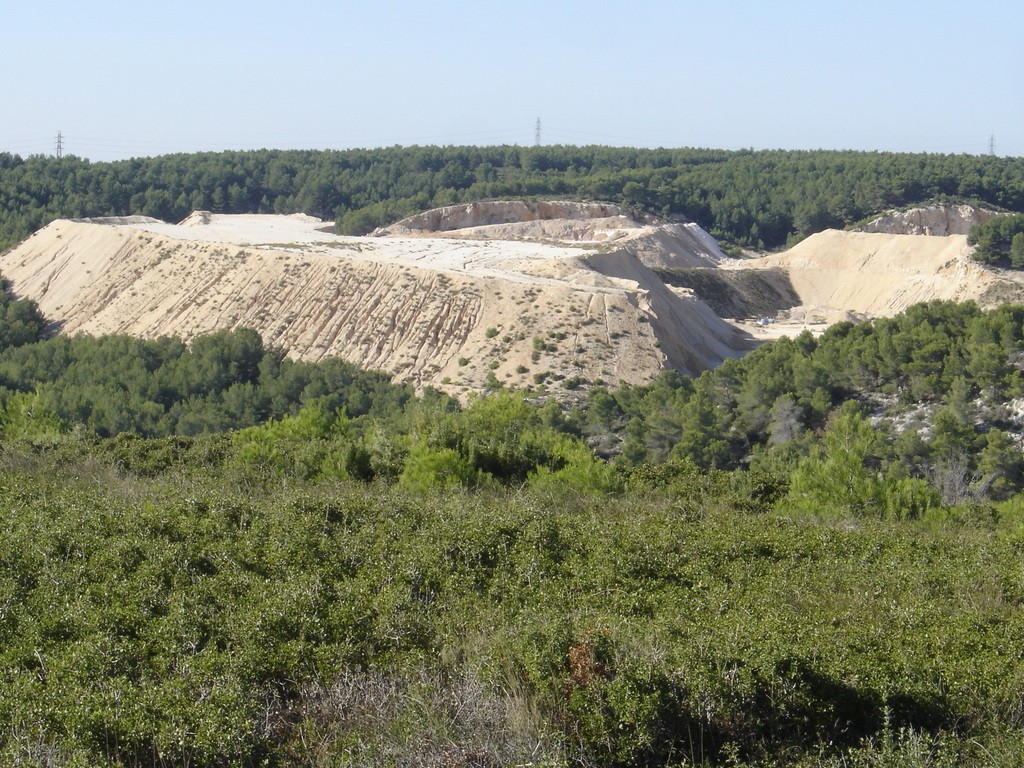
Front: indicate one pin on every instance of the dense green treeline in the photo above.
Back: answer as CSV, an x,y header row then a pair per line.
x,y
1000,241
918,409
21,322
152,388
947,373
752,198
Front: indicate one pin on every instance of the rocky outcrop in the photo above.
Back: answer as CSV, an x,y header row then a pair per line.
x,y
657,245
469,215
934,220
117,220
674,246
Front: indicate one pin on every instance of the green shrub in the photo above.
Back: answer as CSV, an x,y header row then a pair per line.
x,y
427,467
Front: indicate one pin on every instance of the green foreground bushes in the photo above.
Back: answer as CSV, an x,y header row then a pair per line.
x,y
209,618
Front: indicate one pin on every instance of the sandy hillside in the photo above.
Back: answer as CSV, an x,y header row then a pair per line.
x,y
449,312
841,275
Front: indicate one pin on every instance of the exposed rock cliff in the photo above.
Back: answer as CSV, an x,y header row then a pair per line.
x,y
934,220
471,215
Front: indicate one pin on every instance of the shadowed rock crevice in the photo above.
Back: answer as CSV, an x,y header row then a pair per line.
x,y
736,293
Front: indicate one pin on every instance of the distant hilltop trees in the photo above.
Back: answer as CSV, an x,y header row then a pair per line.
x,y
756,199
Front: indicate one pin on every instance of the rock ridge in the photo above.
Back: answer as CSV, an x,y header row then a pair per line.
x,y
469,215
939,220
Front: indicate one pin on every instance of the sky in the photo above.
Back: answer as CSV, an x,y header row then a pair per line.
x,y
126,79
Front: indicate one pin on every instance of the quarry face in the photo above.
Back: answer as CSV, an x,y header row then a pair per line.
x,y
465,298
461,313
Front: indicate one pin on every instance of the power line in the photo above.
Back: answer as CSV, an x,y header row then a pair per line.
x,y
118,147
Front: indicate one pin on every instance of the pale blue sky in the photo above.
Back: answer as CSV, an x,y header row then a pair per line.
x,y
122,79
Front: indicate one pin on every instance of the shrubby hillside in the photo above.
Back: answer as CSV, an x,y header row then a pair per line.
x,y
212,617
933,394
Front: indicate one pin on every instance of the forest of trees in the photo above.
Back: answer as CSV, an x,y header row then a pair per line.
x,y
758,199
948,372
1000,241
